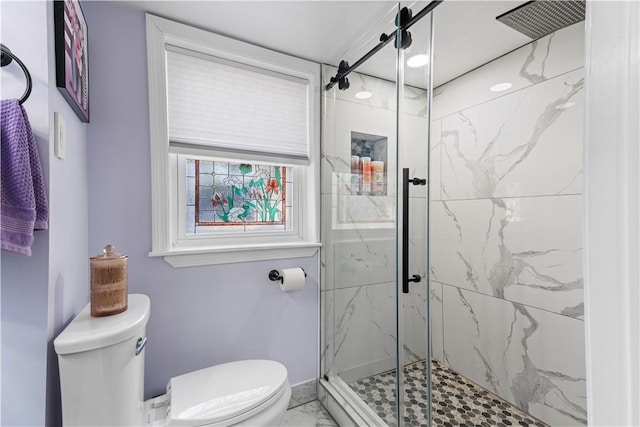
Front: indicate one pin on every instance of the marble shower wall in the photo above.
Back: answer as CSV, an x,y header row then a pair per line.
x,y
506,228
358,260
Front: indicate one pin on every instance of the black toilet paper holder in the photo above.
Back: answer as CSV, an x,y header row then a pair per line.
x,y
274,275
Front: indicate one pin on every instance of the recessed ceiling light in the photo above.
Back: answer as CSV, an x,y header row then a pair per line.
x,y
565,105
363,94
500,87
418,61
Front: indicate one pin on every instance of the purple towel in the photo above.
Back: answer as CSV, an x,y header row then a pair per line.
x,y
23,198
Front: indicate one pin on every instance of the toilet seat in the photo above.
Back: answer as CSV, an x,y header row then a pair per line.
x,y
225,394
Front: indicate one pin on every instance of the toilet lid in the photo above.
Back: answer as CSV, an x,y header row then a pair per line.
x,y
221,392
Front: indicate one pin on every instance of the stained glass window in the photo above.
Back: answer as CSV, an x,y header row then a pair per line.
x,y
223,196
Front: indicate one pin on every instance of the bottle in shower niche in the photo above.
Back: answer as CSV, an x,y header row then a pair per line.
x,y
355,174
365,186
377,177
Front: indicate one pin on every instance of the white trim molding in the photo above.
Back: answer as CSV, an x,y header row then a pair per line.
x,y
168,236
227,255
612,210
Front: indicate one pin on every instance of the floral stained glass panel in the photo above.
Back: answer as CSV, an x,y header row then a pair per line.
x,y
237,197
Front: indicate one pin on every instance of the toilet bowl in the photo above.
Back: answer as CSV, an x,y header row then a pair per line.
x,y
101,363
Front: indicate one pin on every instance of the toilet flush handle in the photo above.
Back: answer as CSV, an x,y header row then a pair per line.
x,y
140,345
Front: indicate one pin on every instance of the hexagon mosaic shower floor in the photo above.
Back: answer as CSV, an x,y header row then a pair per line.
x,y
456,400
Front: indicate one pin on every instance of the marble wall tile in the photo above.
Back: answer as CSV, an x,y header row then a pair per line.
x,y
506,242
522,144
533,63
413,150
367,256
327,335
383,93
530,357
355,252
436,319
326,236
344,118
435,171
362,212
336,151
526,250
303,393
365,259
359,230
417,236
365,330
414,323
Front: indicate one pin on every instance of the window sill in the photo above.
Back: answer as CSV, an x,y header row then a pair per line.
x,y
193,257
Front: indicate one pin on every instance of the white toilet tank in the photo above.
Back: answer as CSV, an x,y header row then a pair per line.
x,y
101,362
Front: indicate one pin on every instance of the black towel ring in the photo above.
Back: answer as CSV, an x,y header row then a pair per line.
x,y
5,59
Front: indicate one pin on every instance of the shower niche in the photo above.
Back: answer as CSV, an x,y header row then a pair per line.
x,y
366,197
368,164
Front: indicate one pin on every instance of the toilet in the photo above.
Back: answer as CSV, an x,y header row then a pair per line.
x,y
101,362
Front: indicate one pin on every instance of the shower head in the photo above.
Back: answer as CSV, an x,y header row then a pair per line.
x,y
538,18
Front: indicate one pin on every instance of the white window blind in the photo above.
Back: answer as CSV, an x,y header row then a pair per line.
x,y
225,105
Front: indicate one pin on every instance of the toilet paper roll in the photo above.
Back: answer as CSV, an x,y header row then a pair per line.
x,y
292,279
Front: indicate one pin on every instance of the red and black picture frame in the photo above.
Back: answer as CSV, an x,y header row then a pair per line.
x,y
72,63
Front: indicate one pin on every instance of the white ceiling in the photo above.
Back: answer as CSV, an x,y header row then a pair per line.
x,y
466,32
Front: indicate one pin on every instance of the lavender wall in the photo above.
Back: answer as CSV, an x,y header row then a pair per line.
x,y
68,227
199,316
24,289
42,293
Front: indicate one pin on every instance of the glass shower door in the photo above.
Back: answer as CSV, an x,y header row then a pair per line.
x,y
374,128
415,87
358,261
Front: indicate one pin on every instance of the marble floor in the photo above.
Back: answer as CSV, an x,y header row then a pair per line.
x,y
456,400
308,415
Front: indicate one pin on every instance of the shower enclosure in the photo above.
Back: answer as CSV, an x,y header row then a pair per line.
x,y
451,268
374,176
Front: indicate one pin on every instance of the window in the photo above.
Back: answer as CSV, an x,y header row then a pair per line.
x,y
234,148
237,197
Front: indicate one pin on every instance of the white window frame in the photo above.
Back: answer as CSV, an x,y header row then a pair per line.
x,y
168,239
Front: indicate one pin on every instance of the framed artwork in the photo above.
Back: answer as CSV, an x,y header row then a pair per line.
x,y
72,64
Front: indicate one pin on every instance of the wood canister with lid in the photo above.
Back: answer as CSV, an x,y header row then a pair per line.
x,y
108,283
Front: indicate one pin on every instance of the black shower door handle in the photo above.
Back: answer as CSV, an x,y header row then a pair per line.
x,y
405,229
